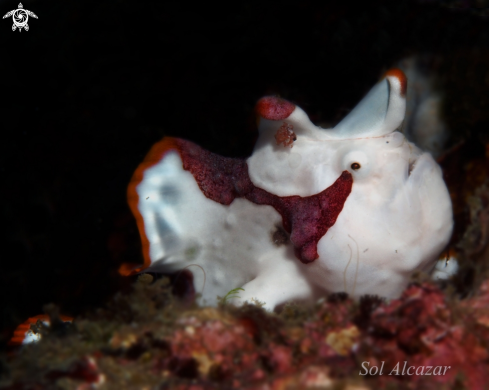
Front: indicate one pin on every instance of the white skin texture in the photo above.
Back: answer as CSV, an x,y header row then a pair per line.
x,y
396,220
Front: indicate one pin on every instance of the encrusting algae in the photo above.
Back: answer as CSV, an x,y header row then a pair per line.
x,y
148,339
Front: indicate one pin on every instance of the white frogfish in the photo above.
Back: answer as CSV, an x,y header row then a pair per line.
x,y
356,208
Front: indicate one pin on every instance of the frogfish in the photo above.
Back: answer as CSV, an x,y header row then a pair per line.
x,y
356,208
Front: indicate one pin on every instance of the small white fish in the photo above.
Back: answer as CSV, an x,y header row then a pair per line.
x,y
295,220
24,335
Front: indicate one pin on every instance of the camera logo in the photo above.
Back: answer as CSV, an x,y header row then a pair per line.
x,y
20,16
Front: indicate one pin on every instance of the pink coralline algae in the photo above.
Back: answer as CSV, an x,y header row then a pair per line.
x,y
422,340
421,329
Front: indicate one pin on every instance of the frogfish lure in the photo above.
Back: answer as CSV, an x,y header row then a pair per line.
x,y
356,208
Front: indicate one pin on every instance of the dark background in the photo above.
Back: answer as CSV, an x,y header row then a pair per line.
x,y
93,84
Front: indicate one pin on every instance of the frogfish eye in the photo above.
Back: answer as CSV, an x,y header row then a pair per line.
x,y
355,166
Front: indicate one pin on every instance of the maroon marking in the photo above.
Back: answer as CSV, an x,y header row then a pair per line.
x,y
307,219
274,108
285,135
